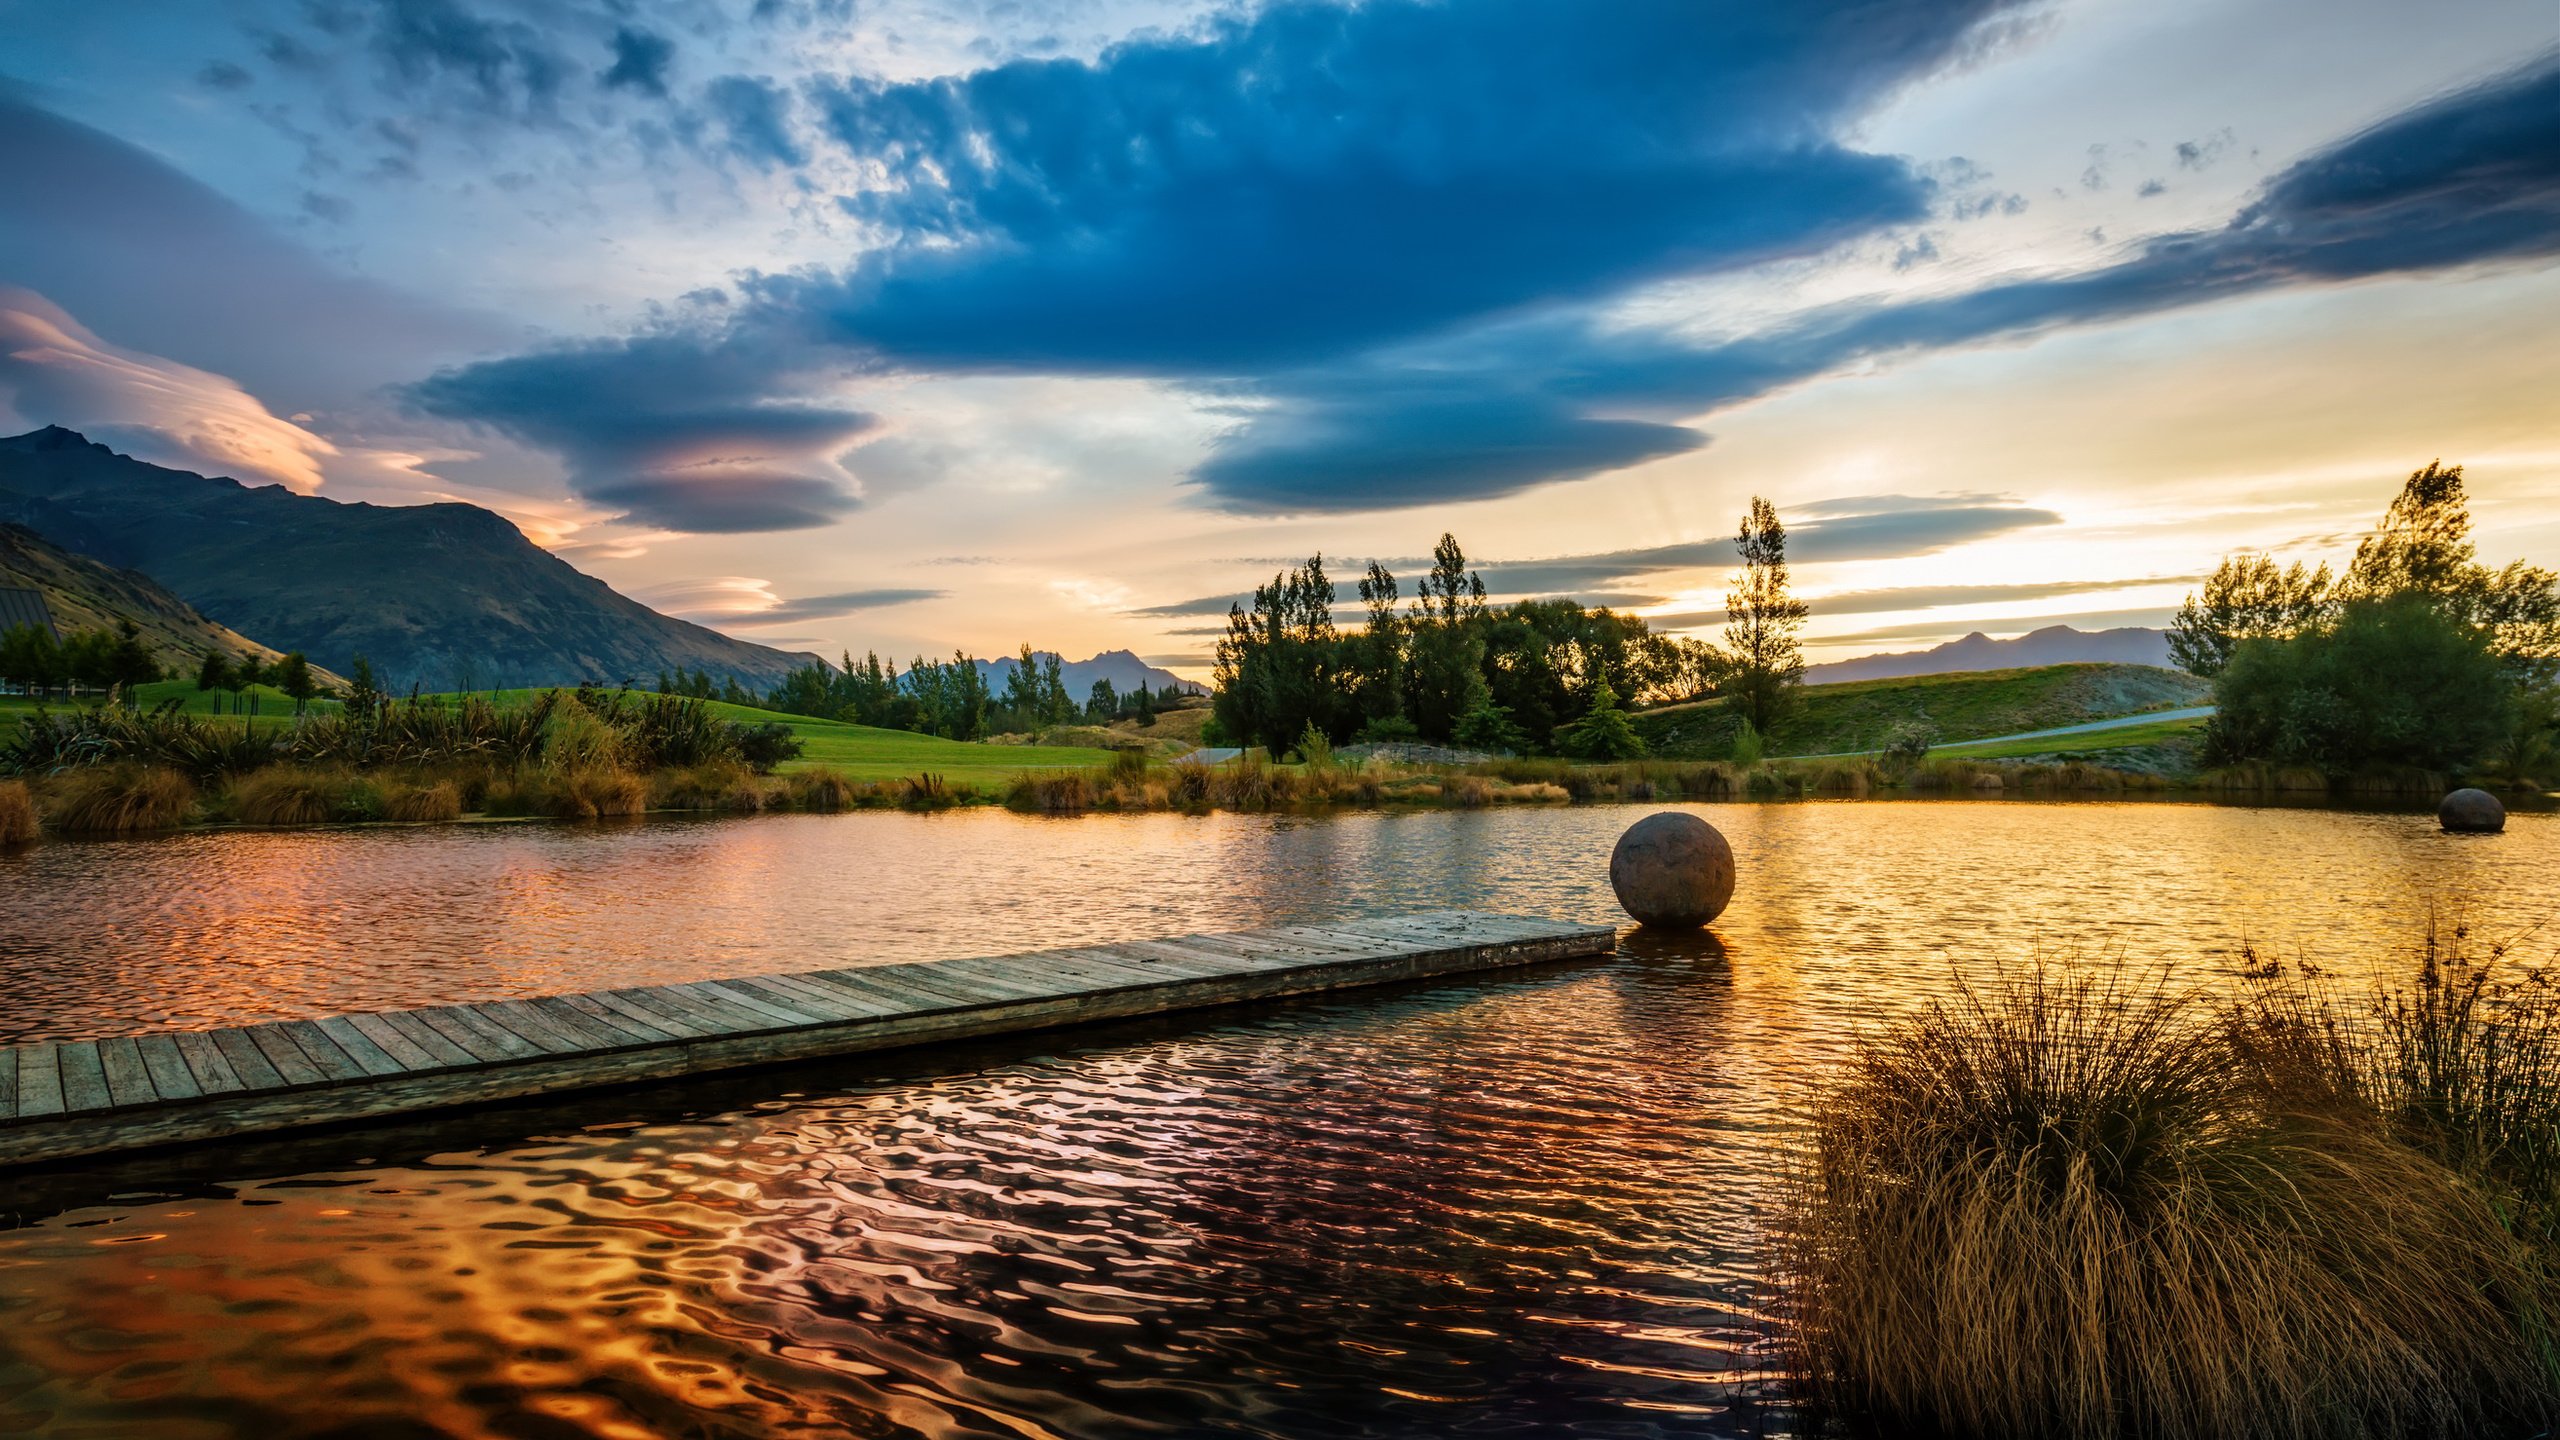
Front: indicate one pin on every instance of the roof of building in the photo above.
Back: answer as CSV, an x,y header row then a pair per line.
x,y
26,607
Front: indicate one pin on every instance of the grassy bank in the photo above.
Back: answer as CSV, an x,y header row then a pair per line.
x,y
2098,1210
1863,715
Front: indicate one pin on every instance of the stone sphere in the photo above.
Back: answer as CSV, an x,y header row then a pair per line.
x,y
2472,812
1672,870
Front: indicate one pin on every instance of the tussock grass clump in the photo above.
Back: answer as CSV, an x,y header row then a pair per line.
x,y
724,785
17,813
118,799
1054,791
820,789
593,793
295,795
418,802
2066,1209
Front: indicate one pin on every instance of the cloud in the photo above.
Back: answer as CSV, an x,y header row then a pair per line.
x,y
148,255
640,62
506,68
675,434
2469,179
745,602
1310,178
56,371
754,120
1859,527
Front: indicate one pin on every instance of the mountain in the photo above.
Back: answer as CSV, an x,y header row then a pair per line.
x,y
84,594
2052,645
1125,671
439,595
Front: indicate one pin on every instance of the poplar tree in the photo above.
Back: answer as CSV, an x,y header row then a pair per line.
x,y
1766,660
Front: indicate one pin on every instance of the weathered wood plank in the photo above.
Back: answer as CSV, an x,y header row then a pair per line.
x,y
128,1080
169,1075
369,1056
206,1064
80,1098
84,1076
276,1043
388,1038
40,1081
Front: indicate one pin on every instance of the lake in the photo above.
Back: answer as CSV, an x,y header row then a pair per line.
x,y
1517,1205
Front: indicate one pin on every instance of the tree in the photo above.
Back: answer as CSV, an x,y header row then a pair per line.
x,y
214,673
1486,726
129,661
1279,666
1603,732
2247,597
31,658
1765,664
1102,706
293,677
364,697
2389,680
1057,707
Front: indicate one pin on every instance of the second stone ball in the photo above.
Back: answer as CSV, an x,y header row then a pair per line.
x,y
1672,871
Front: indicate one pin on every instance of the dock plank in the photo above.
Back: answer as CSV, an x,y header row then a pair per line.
x,y
84,1076
128,1081
84,1098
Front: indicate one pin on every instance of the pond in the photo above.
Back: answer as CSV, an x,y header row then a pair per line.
x,y
1518,1205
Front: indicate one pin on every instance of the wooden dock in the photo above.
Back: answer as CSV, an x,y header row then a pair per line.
x,y
71,1099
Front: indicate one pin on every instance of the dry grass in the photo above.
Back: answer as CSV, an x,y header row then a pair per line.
x,y
820,789
723,785
593,793
2067,1210
420,802
17,813
118,800
299,795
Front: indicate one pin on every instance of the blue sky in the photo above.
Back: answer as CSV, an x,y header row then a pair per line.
x,y
919,325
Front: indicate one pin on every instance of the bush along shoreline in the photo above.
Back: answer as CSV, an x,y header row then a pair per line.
x,y
2091,1208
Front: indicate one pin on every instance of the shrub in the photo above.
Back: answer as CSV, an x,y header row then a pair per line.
x,y
2064,1209
17,813
417,802
593,792
119,799
766,745
1747,746
820,789
713,785
2386,682
1909,744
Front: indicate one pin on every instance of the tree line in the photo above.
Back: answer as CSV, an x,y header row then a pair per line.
x,y
1532,676
34,662
2415,655
952,699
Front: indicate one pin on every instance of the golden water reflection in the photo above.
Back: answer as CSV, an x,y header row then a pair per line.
x,y
1516,1206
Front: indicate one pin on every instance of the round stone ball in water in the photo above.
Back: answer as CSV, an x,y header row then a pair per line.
x,y
2472,812
1672,871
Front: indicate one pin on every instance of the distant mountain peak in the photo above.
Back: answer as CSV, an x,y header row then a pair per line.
x,y
2050,645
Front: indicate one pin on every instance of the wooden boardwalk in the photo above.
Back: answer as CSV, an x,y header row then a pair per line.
x,y
98,1097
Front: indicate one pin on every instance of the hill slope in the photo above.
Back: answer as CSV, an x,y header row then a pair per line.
x,y
85,594
1863,714
432,594
2052,645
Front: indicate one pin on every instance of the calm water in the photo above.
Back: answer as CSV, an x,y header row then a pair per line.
x,y
1521,1206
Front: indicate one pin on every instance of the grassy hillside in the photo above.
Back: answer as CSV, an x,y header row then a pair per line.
x,y
1863,714
273,704
86,594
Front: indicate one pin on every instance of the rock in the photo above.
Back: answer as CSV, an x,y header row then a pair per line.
x,y
1672,870
2472,812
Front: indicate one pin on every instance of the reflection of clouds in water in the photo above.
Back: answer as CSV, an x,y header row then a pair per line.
x,y
1865,901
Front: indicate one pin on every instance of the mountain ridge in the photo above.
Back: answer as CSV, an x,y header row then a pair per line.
x,y
445,595
2051,645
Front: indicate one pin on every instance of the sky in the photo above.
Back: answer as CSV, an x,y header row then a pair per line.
x,y
922,325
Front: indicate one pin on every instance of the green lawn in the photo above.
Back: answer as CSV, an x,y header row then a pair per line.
x,y
1861,715
2095,742
273,704
864,752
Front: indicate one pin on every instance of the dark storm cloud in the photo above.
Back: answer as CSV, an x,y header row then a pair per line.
x,y
152,259
505,66
754,119
640,62
675,434
1318,177
2470,179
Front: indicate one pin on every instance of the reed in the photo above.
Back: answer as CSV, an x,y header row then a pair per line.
x,y
17,813
724,785
2068,1209
118,799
